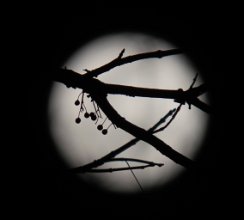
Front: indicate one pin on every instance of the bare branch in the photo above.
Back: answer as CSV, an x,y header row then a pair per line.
x,y
99,91
129,59
178,95
110,170
136,160
194,81
109,156
172,118
149,164
201,105
89,85
141,92
141,133
197,91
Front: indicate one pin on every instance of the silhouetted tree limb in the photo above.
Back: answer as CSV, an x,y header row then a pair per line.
x,y
136,160
76,80
189,96
110,170
99,91
109,156
177,110
170,121
148,164
129,59
140,133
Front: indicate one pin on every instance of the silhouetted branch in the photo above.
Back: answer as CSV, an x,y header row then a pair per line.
x,y
136,160
201,105
75,80
149,164
110,170
129,59
112,154
194,81
172,118
140,133
99,91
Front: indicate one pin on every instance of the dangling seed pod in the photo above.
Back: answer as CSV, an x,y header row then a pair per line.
x,y
99,127
77,102
86,115
104,131
78,120
93,116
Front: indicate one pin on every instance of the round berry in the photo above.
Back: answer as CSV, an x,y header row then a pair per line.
x,y
99,127
93,116
77,102
77,120
86,115
104,131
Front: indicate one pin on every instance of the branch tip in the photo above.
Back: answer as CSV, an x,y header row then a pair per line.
x,y
121,54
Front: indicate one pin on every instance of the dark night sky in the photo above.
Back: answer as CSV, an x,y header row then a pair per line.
x,y
39,183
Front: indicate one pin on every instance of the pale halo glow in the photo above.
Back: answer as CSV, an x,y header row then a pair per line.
x,y
82,143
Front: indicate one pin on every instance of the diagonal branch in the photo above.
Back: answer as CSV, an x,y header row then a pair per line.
x,y
129,59
140,133
170,121
109,156
99,91
201,105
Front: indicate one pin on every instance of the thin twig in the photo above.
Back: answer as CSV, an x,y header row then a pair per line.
x,y
129,59
194,81
172,118
109,170
136,160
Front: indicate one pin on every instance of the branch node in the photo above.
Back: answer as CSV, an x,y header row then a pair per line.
x,y
180,99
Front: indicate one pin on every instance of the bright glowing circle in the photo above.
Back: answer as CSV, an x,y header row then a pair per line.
x,y
82,143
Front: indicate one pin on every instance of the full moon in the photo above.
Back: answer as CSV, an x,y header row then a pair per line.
x,y
79,144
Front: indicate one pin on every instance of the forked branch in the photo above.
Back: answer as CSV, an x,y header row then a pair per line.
x,y
99,91
129,59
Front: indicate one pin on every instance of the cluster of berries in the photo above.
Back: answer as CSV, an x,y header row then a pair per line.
x,y
94,116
